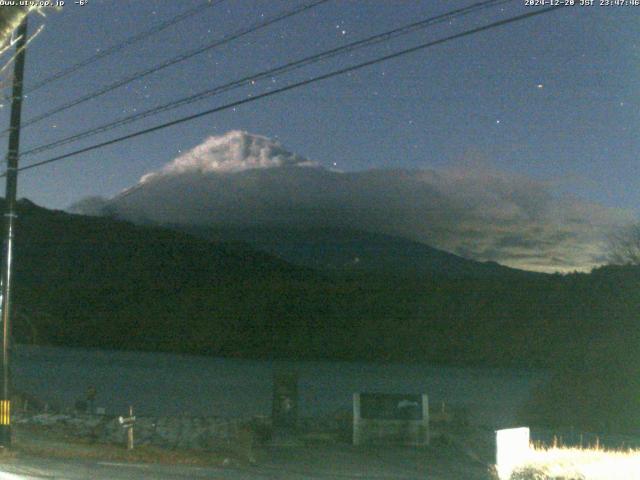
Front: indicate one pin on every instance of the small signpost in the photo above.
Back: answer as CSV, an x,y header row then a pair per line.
x,y
128,423
285,401
91,399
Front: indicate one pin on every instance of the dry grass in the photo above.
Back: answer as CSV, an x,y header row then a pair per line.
x,y
44,443
143,454
562,463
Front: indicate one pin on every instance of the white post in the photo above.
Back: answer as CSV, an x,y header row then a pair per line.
x,y
512,450
130,430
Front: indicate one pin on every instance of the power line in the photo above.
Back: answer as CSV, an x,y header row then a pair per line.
x,y
369,41
119,47
293,86
180,58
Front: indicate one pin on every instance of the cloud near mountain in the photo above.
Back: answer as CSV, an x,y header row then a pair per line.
x,y
231,153
242,179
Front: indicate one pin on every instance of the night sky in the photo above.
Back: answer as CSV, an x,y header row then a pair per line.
x,y
552,99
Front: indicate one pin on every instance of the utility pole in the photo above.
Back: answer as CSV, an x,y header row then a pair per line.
x,y
10,215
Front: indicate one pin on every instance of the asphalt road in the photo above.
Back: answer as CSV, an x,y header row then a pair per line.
x,y
322,463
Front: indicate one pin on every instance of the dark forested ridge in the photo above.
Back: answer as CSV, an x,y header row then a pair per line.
x,y
100,282
339,250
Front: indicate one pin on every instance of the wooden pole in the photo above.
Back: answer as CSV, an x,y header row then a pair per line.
x,y
10,215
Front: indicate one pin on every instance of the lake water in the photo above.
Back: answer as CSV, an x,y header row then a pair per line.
x,y
170,384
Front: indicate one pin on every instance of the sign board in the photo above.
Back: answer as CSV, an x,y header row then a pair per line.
x,y
390,418
386,406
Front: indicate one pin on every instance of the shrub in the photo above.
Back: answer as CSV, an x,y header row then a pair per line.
x,y
597,390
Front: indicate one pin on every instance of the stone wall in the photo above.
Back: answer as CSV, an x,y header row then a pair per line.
x,y
201,433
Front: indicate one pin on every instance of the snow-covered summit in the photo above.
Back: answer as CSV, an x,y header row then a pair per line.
x,y
232,152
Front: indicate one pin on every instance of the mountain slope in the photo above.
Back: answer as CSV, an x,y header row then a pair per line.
x,y
351,251
247,180
98,282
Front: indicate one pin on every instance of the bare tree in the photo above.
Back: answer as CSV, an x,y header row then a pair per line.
x,y
624,247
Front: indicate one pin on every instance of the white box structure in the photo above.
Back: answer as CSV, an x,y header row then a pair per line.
x,y
385,418
512,450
